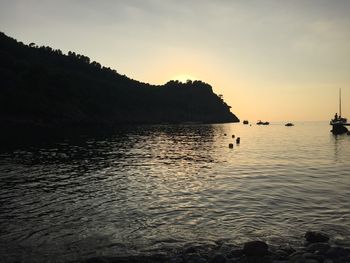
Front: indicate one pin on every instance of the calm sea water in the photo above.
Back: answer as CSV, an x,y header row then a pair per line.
x,y
156,188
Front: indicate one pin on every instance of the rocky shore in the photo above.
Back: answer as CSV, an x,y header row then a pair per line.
x,y
316,249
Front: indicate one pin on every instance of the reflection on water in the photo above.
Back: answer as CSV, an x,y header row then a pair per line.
x,y
145,188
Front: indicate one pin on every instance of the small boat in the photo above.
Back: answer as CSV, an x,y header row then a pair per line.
x,y
339,123
338,120
289,124
245,122
262,123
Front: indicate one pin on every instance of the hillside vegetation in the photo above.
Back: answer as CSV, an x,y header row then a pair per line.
x,y
40,85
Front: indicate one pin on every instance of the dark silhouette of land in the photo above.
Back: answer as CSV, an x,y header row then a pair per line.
x,y
43,86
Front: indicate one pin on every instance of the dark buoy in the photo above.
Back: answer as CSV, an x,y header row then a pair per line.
x,y
233,136
238,140
230,145
225,134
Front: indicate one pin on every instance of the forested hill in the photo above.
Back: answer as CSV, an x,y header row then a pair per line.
x,y
40,85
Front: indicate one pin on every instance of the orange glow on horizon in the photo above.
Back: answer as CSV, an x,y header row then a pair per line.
x,y
184,77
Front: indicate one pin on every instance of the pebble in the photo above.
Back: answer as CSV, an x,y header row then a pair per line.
x,y
218,259
255,248
318,248
236,253
315,237
337,252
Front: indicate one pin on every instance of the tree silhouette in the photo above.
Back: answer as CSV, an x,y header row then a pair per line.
x,y
43,85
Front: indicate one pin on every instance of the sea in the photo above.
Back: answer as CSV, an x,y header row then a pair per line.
x,y
71,194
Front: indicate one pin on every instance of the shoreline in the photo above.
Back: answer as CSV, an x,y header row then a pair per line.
x,y
316,249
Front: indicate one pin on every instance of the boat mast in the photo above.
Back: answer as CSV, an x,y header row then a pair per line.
x,y
339,102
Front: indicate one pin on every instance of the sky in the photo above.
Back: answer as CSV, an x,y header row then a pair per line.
x,y
274,60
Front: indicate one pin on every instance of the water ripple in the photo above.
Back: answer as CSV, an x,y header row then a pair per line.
x,y
148,188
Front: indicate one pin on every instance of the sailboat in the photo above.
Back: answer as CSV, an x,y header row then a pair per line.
x,y
339,123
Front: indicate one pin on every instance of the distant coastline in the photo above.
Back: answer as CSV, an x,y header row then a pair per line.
x,y
44,87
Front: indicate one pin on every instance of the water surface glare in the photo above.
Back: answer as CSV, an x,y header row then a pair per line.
x,y
140,189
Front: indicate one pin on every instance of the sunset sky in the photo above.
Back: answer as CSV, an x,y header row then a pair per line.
x,y
272,60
